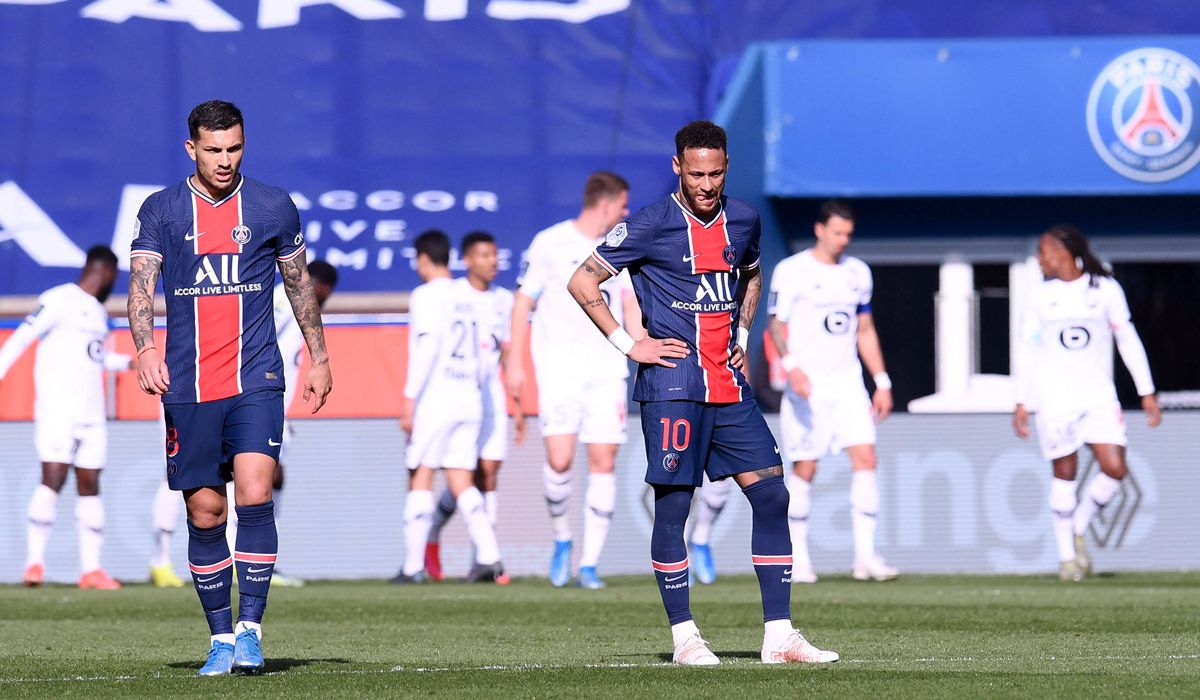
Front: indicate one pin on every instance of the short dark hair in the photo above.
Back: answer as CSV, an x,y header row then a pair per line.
x,y
323,272
834,207
700,134
214,115
474,238
101,254
603,184
435,245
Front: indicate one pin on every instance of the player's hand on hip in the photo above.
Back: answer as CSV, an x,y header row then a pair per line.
x,y
1021,421
882,404
737,359
152,374
1152,409
656,351
800,383
407,408
317,385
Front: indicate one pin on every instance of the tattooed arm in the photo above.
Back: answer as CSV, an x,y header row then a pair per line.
x,y
585,288
152,372
750,297
299,289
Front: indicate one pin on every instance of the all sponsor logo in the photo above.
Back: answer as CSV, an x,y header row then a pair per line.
x,y
1142,115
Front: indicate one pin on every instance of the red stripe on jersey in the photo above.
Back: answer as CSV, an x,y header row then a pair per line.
x,y
708,245
218,346
218,318
669,568
762,560
714,331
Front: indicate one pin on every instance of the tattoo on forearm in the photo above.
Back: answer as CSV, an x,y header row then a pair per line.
x,y
753,292
593,303
143,277
595,270
304,305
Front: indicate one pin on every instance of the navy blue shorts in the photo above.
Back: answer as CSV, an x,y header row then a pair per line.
x,y
685,439
202,438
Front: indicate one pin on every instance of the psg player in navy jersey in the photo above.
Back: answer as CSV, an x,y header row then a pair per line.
x,y
694,260
217,238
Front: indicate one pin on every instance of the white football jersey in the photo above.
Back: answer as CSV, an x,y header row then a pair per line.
x,y
495,326
444,341
563,338
820,304
1067,344
71,327
290,339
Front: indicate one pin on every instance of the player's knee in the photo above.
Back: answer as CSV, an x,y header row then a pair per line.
x,y
253,494
206,519
768,495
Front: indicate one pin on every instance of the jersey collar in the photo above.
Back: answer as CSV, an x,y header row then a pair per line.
x,y
237,188
689,214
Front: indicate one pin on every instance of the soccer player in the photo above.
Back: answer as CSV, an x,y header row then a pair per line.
x,y
216,238
478,251
580,378
1063,370
821,324
694,259
443,408
70,325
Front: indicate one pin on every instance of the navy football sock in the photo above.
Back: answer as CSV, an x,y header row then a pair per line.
x,y
212,572
771,546
668,553
255,552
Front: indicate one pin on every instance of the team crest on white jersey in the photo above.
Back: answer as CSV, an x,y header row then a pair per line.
x,y
616,236
241,234
1142,115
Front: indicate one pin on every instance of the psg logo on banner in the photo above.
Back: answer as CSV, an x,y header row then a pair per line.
x,y
1142,115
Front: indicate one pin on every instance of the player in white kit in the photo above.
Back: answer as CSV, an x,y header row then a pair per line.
x,y
478,251
821,324
580,375
1063,371
443,409
71,327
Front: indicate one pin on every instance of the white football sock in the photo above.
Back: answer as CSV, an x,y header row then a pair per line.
x,y
864,505
1099,492
89,518
243,625
597,516
491,503
681,631
441,515
483,537
776,632
418,515
1062,507
43,507
799,508
557,489
167,505
713,497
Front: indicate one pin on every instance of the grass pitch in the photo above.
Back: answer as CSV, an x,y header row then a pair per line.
x,y
937,636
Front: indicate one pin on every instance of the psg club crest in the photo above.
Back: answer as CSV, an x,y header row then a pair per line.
x,y
671,462
241,234
730,254
1142,115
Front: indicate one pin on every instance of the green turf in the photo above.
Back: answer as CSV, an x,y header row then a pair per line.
x,y
1121,635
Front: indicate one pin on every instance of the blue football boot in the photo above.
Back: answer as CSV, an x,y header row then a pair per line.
x,y
247,652
588,578
560,564
702,563
220,660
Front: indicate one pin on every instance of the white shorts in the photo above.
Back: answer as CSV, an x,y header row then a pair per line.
x,y
826,423
443,443
1061,433
493,432
84,446
594,409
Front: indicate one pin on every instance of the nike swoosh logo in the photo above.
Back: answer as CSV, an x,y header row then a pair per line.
x,y
206,580
777,449
189,236
787,573
669,579
272,443
689,258
253,570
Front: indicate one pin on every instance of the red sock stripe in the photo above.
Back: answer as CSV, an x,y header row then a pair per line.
x,y
780,560
669,568
252,558
210,568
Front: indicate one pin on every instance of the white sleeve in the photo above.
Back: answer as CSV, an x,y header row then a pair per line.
x,y
117,361
424,339
36,325
1025,354
779,297
864,300
534,268
506,326
1129,344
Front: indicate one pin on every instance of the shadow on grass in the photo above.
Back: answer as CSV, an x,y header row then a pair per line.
x,y
666,657
273,665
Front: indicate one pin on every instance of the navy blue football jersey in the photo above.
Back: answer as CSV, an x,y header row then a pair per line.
x,y
686,275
